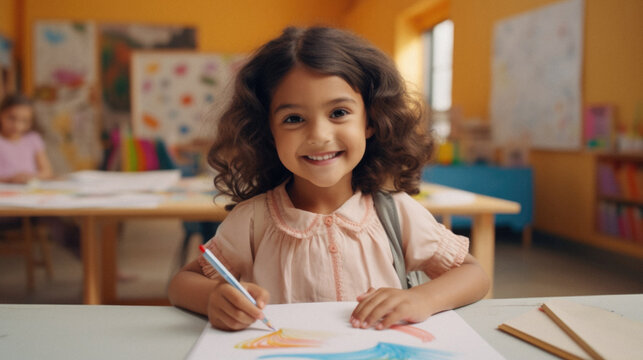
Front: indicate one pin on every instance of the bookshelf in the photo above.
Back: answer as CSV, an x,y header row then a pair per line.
x,y
619,201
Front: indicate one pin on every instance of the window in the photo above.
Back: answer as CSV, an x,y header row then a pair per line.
x,y
438,52
438,70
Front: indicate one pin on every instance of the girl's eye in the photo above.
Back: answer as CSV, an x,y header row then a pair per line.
x,y
338,113
293,119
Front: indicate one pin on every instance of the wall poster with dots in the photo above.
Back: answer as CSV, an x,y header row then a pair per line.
x,y
175,92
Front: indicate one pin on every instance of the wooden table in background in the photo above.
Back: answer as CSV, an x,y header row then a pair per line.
x,y
99,235
482,211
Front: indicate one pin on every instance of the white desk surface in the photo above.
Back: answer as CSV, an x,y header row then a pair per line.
x,y
163,332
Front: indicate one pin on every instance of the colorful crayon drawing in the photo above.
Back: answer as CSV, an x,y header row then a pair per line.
x,y
286,338
381,351
421,334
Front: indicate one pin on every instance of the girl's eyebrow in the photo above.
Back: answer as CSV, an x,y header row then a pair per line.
x,y
331,102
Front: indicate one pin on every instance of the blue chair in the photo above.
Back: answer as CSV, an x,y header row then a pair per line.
x,y
509,183
206,229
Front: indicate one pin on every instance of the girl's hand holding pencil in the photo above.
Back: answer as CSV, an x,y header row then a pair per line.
x,y
234,305
228,309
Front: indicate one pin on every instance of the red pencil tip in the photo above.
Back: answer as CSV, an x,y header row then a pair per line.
x,y
202,248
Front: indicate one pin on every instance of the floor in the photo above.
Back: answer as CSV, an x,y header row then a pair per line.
x,y
149,252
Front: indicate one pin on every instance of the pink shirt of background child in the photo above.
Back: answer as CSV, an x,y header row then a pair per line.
x,y
19,156
308,257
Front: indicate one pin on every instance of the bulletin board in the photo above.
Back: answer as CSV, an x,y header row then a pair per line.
x,y
117,43
536,77
173,93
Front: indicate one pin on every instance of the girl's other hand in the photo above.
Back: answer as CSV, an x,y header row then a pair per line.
x,y
384,307
228,309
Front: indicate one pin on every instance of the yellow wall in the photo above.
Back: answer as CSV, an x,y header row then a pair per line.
x,y
613,52
375,21
223,25
564,187
612,73
8,18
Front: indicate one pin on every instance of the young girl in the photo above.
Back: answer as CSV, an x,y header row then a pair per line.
x,y
319,121
22,151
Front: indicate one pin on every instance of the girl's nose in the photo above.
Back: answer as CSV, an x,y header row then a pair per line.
x,y
320,132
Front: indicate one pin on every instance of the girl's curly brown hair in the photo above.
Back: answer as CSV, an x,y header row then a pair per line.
x,y
244,153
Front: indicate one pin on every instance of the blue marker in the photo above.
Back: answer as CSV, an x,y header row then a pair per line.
x,y
218,266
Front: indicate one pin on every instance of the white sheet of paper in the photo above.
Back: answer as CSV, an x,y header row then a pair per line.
x,y
111,182
93,189
70,201
454,338
452,197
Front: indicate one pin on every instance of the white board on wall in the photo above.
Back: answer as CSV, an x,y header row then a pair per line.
x,y
173,92
536,77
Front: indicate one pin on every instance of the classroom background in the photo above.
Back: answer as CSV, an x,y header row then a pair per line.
x,y
535,101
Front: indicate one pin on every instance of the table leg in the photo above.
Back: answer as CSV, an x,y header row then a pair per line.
x,y
28,252
483,243
109,261
91,266
526,237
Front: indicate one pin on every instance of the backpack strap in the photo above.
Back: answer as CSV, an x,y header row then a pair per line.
x,y
258,225
387,213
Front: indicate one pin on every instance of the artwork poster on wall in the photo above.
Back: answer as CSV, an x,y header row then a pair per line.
x,y
7,75
64,77
173,92
536,77
117,42
65,53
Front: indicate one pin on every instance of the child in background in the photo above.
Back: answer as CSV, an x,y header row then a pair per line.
x,y
22,151
23,158
319,121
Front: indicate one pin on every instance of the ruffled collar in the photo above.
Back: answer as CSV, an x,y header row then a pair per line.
x,y
353,215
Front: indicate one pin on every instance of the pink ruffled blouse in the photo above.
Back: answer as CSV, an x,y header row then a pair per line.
x,y
308,257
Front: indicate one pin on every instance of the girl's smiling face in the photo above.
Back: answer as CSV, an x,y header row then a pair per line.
x,y
16,121
319,126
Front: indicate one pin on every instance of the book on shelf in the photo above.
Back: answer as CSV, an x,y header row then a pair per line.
x,y
638,219
607,182
620,180
623,221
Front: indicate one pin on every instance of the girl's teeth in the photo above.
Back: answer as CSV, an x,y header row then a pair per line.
x,y
320,158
